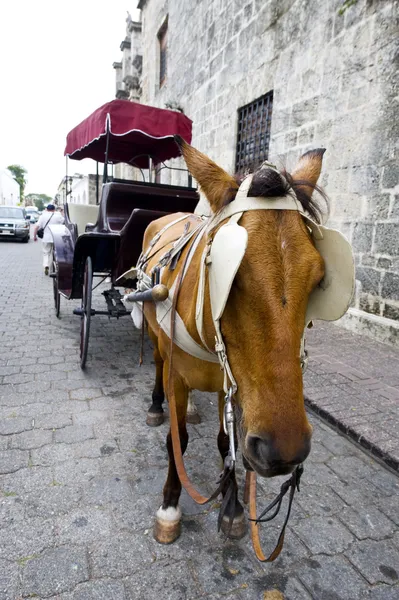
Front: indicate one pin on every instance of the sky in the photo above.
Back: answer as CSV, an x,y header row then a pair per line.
x,y
55,69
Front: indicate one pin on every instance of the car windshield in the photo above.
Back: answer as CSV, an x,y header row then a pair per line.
x,y
11,213
32,211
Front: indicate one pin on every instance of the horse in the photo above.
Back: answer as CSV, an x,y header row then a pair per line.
x,y
261,326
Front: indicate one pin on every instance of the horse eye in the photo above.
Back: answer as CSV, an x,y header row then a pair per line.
x,y
237,284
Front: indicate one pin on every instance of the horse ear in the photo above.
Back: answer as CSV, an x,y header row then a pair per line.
x,y
308,170
218,186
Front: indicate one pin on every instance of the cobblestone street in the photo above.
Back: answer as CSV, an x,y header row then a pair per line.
x,y
81,477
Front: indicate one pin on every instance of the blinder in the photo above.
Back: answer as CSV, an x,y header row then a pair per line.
x,y
331,299
227,251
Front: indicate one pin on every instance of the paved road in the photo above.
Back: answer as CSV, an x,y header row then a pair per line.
x,y
81,478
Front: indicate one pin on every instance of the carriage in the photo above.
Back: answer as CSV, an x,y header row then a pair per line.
x,y
103,241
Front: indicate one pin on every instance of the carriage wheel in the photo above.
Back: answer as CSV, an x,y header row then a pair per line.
x,y
57,296
86,311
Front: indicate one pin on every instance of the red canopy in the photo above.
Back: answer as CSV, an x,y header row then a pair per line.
x,y
135,130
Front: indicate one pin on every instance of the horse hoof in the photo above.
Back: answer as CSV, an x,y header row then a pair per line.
x,y
167,526
238,529
154,419
193,418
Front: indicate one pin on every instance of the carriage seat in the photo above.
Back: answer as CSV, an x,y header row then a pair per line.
x,y
119,200
82,214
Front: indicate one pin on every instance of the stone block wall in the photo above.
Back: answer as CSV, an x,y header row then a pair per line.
x,y
92,188
334,78
83,189
129,69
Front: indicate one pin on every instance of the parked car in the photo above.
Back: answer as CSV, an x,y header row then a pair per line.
x,y
33,213
14,223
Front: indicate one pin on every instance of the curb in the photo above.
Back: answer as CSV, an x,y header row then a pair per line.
x,y
370,447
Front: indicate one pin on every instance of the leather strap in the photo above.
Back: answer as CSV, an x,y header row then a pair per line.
x,y
174,425
250,484
199,309
48,221
144,257
243,203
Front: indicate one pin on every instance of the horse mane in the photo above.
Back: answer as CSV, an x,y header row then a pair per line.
x,y
269,183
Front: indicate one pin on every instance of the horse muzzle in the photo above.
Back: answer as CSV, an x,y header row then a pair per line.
x,y
265,458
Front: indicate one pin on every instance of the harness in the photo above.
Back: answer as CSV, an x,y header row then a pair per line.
x,y
222,256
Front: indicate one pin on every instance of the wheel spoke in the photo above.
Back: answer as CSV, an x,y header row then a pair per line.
x,y
56,293
86,311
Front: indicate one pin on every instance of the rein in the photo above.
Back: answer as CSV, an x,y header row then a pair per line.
x,y
174,425
291,484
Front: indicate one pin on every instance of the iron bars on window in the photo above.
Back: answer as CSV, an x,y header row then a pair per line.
x,y
253,134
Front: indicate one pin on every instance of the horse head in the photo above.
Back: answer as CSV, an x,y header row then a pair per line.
x,y
265,315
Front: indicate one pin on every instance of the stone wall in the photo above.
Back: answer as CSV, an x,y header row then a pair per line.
x,y
92,188
81,189
334,76
129,69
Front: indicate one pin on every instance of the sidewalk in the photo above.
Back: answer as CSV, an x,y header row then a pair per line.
x,y
353,383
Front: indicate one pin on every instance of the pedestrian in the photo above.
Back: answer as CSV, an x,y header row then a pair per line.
x,y
50,216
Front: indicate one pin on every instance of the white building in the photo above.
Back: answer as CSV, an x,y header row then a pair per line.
x,y
79,189
9,189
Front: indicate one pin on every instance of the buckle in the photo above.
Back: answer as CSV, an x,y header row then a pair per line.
x,y
219,347
304,360
229,422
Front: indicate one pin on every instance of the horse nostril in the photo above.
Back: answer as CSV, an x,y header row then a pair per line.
x,y
303,453
263,450
259,448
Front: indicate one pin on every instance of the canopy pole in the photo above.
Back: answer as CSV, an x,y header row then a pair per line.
x,y
96,181
105,176
66,179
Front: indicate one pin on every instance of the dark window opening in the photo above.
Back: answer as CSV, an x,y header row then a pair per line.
x,y
163,52
253,134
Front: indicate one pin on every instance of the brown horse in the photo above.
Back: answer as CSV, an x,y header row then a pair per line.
x,y
262,326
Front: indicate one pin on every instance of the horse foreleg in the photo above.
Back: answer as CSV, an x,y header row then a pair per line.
x,y
239,526
167,524
155,414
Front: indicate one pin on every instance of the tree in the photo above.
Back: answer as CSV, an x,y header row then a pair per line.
x,y
40,204
38,200
43,200
19,173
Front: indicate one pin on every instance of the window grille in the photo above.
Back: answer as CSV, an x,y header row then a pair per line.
x,y
253,135
163,52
